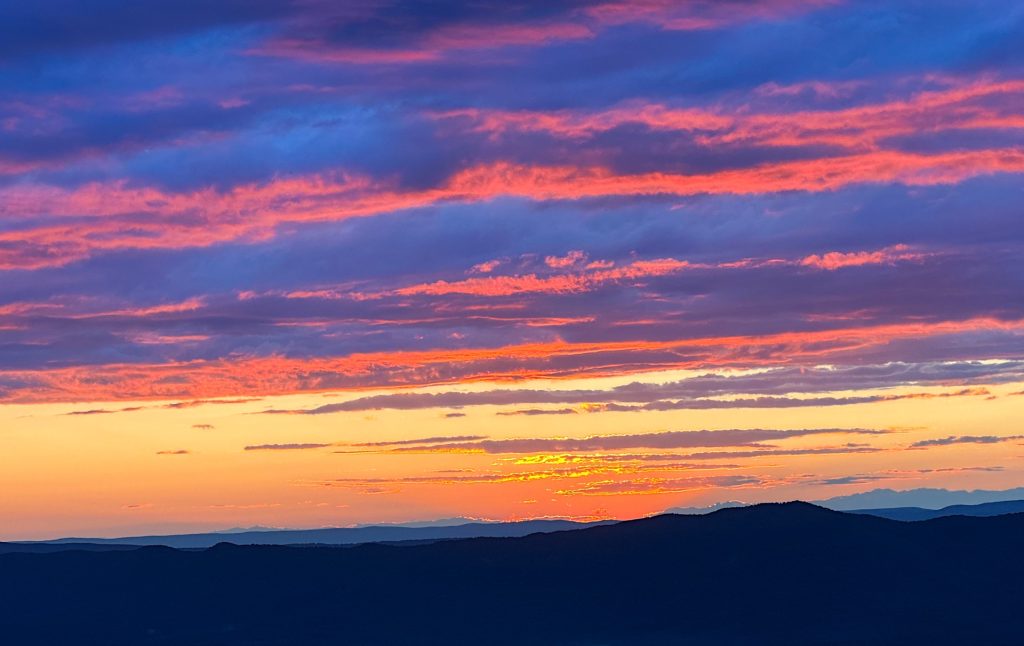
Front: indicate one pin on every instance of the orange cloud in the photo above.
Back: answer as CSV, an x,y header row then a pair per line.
x,y
552,360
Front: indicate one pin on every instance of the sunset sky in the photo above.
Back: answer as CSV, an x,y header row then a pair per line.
x,y
308,263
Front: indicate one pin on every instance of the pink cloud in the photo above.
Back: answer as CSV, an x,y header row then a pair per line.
x,y
568,260
836,260
695,15
119,216
965,104
485,267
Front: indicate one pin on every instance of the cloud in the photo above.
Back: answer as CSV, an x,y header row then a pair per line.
x,y
284,447
581,220
965,439
600,274
836,260
532,283
561,262
104,411
735,455
660,486
851,479
553,360
26,31
962,104
423,440
892,474
539,411
606,458
692,393
206,217
485,267
661,440
745,402
402,35
574,473
194,403
174,452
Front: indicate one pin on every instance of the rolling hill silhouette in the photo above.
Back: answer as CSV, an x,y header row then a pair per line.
x,y
787,573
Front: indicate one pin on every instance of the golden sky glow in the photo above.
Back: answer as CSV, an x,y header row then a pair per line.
x,y
159,469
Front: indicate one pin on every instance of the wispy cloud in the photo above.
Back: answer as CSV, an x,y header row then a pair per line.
x,y
965,439
337,197
696,392
345,37
962,104
285,447
194,403
442,439
660,440
660,486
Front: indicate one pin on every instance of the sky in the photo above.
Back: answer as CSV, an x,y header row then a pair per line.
x,y
298,263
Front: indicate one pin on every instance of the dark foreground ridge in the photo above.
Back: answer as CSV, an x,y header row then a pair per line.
x,y
769,574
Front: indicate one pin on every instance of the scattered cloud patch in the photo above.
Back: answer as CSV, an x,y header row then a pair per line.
x,y
285,447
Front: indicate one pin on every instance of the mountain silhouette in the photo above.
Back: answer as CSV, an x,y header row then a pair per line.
x,y
895,513
336,535
925,497
788,573
917,513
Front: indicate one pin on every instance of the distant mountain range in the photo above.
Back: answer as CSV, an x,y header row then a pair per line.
x,y
925,498
894,513
334,536
698,511
917,513
793,574
456,528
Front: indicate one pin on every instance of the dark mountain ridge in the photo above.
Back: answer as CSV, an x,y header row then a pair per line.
x,y
786,573
432,531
